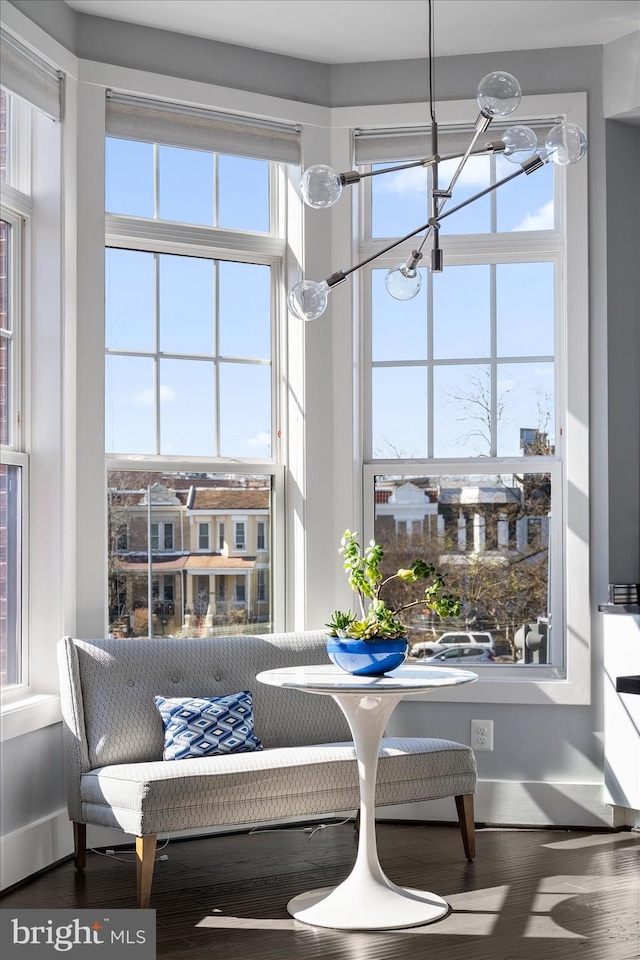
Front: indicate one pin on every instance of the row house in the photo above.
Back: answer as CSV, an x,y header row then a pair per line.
x,y
209,556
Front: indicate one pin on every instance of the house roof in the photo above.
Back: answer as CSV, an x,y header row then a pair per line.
x,y
197,498
246,499
174,564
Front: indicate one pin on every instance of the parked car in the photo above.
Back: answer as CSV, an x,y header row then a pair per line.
x,y
463,652
425,648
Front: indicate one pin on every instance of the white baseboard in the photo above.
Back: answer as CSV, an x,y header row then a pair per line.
x,y
34,847
510,803
499,802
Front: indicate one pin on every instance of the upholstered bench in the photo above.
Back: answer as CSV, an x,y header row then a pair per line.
x,y
115,738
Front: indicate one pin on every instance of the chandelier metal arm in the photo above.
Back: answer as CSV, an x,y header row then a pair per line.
x,y
381,253
341,275
481,125
350,177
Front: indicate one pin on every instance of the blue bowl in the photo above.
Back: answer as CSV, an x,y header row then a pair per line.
x,y
367,657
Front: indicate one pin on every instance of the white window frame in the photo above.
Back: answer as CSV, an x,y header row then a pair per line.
x,y
163,526
220,536
158,236
261,535
206,527
571,396
240,545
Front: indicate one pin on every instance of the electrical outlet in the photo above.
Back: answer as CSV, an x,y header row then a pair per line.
x,y
482,734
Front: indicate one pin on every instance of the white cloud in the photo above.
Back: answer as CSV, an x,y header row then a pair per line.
x,y
542,219
475,175
146,397
404,182
261,440
414,180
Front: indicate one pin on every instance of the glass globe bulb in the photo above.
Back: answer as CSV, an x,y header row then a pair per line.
x,y
566,143
499,94
307,300
520,144
320,186
403,282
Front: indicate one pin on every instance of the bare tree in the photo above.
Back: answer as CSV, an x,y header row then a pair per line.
x,y
475,412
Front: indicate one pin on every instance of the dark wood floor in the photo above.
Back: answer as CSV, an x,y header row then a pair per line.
x,y
530,895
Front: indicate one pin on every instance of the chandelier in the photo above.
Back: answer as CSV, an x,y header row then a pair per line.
x,y
498,96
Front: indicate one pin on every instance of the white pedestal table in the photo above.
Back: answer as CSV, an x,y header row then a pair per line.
x,y
367,899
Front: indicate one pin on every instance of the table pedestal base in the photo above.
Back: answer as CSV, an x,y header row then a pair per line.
x,y
372,907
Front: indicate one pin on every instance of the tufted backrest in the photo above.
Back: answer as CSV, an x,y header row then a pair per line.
x,y
108,689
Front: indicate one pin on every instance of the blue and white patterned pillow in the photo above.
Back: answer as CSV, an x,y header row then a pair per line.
x,y
202,727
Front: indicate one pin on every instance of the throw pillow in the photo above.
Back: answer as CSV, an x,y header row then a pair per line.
x,y
204,727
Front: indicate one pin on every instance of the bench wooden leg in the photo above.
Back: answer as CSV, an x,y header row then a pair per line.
x,y
79,845
145,861
464,806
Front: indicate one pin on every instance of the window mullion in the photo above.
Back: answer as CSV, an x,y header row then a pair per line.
x,y
493,315
216,355
156,181
216,191
430,367
156,358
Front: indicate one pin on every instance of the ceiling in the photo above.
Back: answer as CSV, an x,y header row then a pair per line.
x,y
353,31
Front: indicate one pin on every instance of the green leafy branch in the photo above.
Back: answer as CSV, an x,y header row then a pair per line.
x,y
378,619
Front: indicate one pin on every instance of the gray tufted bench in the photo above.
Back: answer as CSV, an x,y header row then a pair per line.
x,y
116,776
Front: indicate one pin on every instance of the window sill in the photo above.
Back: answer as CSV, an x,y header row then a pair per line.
x,y
534,685
29,714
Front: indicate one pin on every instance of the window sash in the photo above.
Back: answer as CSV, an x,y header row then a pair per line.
x,y
555,669
12,333
492,361
216,358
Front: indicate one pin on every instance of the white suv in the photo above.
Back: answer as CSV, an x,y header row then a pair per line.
x,y
427,648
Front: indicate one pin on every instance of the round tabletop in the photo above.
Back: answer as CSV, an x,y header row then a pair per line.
x,y
327,678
